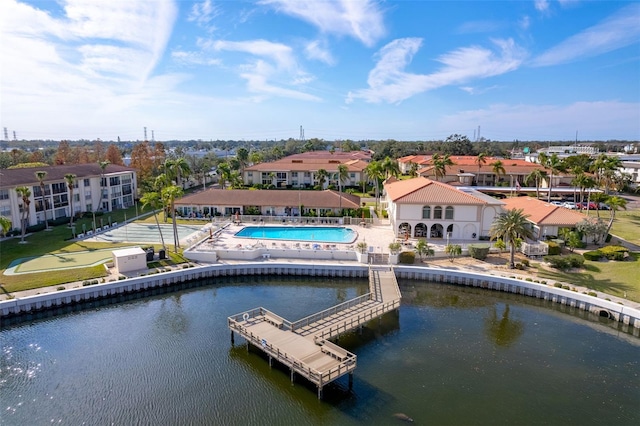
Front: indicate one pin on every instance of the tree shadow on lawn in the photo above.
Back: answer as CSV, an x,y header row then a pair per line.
x,y
583,278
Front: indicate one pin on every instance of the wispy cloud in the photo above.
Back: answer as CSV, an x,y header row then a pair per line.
x,y
203,13
275,62
389,83
362,20
541,5
474,27
318,50
619,30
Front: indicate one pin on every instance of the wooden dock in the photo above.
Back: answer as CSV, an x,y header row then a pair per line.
x,y
304,345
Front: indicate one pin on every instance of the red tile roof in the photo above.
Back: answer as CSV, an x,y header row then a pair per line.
x,y
421,190
270,197
542,213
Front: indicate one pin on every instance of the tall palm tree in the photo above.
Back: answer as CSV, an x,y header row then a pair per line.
x,y
509,227
536,176
481,159
555,165
41,175
169,196
24,193
177,169
70,178
343,176
498,169
440,164
375,173
615,203
153,200
103,184
390,167
321,177
242,155
224,171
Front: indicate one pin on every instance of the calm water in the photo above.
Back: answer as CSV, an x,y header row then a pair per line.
x,y
318,234
453,356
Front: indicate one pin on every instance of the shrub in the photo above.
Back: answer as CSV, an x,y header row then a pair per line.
x,y
407,257
554,248
593,293
558,262
59,221
520,266
593,255
479,251
566,287
60,288
526,262
614,252
558,285
36,228
575,260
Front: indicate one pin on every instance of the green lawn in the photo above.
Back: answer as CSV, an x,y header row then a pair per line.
x,y
614,278
627,226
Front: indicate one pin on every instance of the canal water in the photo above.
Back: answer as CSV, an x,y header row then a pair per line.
x,y
452,356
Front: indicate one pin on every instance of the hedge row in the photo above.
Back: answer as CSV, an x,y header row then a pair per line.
x,y
479,251
610,252
565,262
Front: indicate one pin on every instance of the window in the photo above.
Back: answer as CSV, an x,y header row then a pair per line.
x,y
437,212
4,194
448,212
294,174
5,211
126,179
113,181
59,188
87,182
426,212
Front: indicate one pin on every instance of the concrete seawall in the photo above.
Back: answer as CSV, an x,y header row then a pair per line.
x,y
32,304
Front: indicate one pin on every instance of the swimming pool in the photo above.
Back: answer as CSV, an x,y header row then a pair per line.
x,y
321,234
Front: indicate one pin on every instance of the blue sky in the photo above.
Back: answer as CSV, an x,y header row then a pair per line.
x,y
404,70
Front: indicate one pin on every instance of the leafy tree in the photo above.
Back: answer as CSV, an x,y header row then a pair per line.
x,y
153,200
510,227
500,245
114,156
24,193
458,145
70,178
41,175
5,225
592,227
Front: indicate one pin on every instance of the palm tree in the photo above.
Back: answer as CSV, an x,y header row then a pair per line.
x,y
374,172
70,178
598,197
224,171
343,176
242,155
422,248
24,192
177,169
537,176
615,203
480,160
321,176
498,169
41,175
153,200
453,250
169,196
440,164
555,166
390,167
509,227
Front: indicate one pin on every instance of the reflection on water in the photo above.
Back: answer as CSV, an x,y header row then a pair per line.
x,y
453,355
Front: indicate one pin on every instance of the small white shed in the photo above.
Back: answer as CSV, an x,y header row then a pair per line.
x,y
129,259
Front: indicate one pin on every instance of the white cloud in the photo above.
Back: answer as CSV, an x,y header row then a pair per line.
x,y
524,23
276,62
317,50
203,13
389,83
362,20
619,30
193,58
541,5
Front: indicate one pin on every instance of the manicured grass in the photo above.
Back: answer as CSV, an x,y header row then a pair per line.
x,y
627,226
614,278
57,241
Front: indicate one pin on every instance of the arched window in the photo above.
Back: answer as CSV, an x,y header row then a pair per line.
x,y
426,212
437,212
448,212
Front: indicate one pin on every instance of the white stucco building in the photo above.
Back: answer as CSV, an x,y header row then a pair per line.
x,y
421,207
